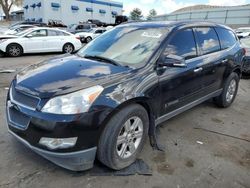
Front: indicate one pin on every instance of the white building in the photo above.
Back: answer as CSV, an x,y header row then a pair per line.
x,y
72,11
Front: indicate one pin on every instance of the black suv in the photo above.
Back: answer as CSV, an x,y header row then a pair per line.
x,y
104,100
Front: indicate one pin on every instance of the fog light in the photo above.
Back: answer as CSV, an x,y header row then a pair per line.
x,y
58,143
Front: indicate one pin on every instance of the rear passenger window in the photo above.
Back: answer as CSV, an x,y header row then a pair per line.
x,y
207,40
227,38
182,44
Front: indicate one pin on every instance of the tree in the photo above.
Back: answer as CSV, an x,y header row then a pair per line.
x,y
6,6
136,14
152,13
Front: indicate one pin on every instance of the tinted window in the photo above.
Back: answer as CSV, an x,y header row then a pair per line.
x,y
98,31
52,33
182,44
207,39
227,38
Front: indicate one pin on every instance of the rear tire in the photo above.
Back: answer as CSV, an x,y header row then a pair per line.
x,y
229,92
68,48
88,39
14,50
130,125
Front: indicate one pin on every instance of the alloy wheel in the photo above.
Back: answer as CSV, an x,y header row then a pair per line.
x,y
231,90
68,48
129,137
14,51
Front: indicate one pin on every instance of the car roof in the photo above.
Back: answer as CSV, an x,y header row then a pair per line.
x,y
171,24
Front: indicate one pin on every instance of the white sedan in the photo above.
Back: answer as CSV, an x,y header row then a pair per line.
x,y
38,40
91,34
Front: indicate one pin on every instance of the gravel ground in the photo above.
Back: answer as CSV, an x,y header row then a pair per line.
x,y
220,158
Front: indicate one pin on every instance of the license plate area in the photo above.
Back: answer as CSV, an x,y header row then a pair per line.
x,y
16,118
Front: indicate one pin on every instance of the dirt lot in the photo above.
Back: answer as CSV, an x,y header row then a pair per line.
x,y
223,160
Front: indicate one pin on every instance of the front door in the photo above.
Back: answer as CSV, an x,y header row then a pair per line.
x,y
181,85
34,41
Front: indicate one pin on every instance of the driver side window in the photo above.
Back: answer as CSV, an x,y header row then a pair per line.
x,y
182,44
38,33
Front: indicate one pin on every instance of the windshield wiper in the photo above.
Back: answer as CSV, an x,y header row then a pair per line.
x,y
105,59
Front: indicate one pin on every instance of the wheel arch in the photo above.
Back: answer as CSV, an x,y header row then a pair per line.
x,y
142,101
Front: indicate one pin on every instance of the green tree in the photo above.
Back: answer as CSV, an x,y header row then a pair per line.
x,y
136,14
6,6
152,13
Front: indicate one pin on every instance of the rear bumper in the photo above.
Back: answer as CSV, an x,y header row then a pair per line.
x,y
75,161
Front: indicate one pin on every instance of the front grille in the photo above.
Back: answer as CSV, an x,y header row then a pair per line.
x,y
16,118
23,100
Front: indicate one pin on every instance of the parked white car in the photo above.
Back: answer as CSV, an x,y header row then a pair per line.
x,y
91,34
38,40
17,29
243,32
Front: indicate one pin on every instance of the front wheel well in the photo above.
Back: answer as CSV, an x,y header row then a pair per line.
x,y
140,101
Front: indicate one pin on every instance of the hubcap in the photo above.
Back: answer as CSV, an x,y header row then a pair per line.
x,y
231,91
14,51
68,49
129,137
88,40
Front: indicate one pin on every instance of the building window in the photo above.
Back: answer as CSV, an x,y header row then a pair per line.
x,y
75,8
102,11
33,5
114,13
55,5
89,9
39,4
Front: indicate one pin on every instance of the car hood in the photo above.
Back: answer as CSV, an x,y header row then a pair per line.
x,y
7,36
65,74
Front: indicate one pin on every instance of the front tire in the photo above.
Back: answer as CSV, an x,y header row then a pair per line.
x,y
123,137
14,50
229,92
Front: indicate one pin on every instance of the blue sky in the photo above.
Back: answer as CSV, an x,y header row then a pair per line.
x,y
167,6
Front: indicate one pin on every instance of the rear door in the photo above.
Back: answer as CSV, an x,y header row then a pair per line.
x,y
180,86
213,61
55,41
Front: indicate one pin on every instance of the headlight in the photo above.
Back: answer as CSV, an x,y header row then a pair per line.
x,y
73,103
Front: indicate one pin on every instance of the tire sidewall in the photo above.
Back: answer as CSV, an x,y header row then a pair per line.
x,y
115,159
225,89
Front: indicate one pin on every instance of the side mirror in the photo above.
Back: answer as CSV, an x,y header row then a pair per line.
x,y
28,36
172,61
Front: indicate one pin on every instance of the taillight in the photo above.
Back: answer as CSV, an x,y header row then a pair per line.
x,y
244,51
79,38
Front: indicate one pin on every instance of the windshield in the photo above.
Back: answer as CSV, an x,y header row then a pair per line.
x,y
129,46
72,26
245,42
23,32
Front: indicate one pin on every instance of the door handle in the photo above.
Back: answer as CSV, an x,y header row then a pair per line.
x,y
198,69
224,61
